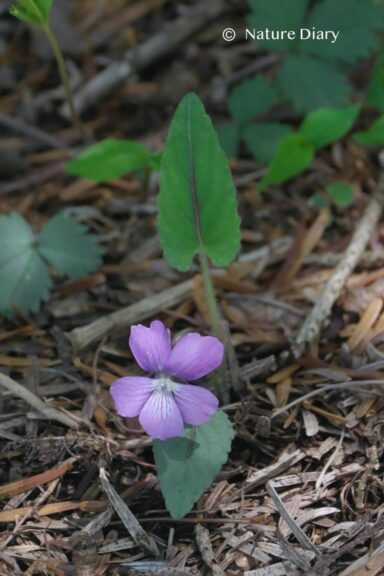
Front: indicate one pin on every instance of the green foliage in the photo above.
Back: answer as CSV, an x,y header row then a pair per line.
x,y
111,159
325,125
310,83
313,74
277,15
373,136
33,11
188,464
341,194
197,201
24,276
262,139
356,19
229,136
293,155
69,247
252,98
375,92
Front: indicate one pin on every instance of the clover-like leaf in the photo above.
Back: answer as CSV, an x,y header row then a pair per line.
x,y
24,277
277,15
252,98
357,22
229,137
188,464
69,247
310,83
263,139
33,11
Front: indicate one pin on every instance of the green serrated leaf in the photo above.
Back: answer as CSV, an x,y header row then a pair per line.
x,y
263,139
310,83
373,136
187,465
33,11
375,91
24,278
293,155
197,201
341,193
109,160
252,98
68,247
325,125
356,21
277,15
229,136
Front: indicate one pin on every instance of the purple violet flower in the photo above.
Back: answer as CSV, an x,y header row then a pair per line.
x,y
162,404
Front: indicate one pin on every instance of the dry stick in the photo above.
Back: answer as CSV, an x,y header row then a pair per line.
x,y
310,329
300,535
139,535
119,320
36,402
204,545
164,42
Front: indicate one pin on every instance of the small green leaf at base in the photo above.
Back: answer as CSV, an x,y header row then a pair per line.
x,y
325,125
110,159
69,247
341,193
33,11
197,200
293,155
373,136
188,464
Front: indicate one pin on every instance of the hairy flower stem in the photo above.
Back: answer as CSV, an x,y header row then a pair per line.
x,y
210,294
221,387
65,80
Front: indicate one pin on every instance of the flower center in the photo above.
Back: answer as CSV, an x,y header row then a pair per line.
x,y
164,384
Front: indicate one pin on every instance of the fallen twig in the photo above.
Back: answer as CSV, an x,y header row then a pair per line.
x,y
142,539
162,43
86,335
36,402
312,324
301,537
204,545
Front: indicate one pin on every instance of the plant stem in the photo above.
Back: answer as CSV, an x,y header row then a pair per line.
x,y
220,382
65,80
210,293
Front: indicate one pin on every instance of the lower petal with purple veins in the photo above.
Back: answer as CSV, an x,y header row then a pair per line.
x,y
161,417
130,394
195,403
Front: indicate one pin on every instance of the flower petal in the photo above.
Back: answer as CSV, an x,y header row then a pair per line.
x,y
161,417
130,394
194,356
195,403
151,346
